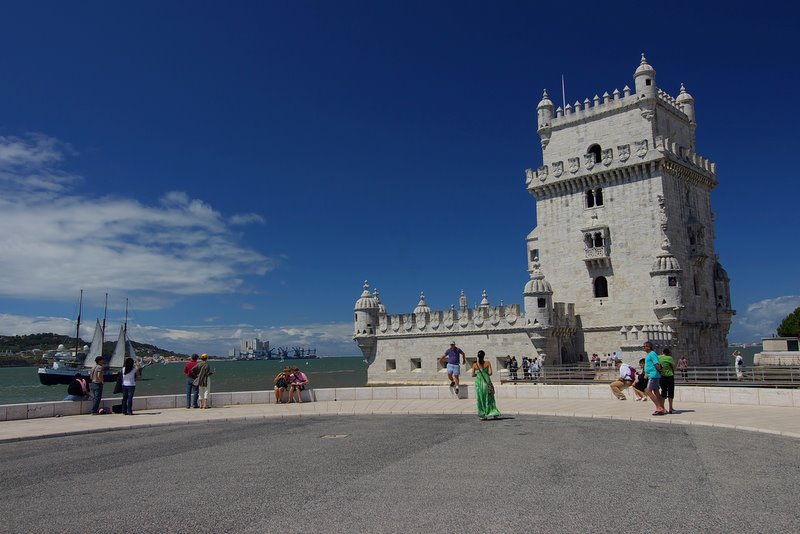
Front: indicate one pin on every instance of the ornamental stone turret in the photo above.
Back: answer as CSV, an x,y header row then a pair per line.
x,y
422,307
645,79
665,277
538,299
366,323
544,119
686,101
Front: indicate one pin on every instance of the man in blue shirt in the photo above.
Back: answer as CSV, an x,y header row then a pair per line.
x,y
653,371
453,367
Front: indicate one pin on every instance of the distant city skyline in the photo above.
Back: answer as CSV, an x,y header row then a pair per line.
x,y
240,170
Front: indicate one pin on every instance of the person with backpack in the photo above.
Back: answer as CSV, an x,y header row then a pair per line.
x,y
627,376
191,372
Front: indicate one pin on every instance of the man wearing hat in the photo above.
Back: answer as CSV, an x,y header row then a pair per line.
x,y
204,380
625,380
453,367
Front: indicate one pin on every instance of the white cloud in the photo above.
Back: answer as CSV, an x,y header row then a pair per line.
x,y
55,241
762,318
241,219
330,339
28,164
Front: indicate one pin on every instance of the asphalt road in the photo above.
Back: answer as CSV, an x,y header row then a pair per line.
x,y
403,474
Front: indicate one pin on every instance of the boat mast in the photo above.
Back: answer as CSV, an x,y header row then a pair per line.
x,y
126,327
78,329
103,332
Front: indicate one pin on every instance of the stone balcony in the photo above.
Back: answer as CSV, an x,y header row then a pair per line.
x,y
597,256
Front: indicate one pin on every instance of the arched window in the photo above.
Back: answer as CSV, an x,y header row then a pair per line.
x,y
598,239
595,149
600,287
590,199
598,196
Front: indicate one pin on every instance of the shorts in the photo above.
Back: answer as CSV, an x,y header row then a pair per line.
x,y
668,387
654,384
204,391
453,369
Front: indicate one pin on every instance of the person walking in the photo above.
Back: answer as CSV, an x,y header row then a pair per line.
x,y
514,368
96,387
204,373
739,363
484,389
129,374
652,368
683,367
626,378
192,390
667,377
453,367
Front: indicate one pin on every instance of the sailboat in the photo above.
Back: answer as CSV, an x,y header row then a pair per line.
x,y
64,364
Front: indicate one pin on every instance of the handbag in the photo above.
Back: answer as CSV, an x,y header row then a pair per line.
x,y
118,385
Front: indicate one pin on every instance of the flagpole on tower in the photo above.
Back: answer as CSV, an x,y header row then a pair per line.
x,y
563,94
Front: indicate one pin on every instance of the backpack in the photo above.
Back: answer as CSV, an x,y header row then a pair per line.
x,y
194,372
631,373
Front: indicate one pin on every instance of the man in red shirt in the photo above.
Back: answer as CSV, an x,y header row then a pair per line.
x,y
192,390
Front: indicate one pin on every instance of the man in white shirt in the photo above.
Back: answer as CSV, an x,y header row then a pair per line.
x,y
739,362
626,377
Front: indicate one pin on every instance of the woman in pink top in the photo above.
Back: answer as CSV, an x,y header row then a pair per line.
x,y
297,381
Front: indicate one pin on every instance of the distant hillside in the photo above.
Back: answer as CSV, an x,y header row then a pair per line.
x,y
24,350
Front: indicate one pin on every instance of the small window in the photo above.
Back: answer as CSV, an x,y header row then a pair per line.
x,y
598,197
391,366
541,302
600,287
595,150
648,81
416,365
673,281
534,254
590,199
598,239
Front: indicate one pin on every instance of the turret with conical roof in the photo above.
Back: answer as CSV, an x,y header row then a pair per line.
x,y
421,306
538,297
686,101
544,118
366,323
645,79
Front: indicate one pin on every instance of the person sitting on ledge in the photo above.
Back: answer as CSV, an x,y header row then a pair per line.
x,y
78,389
297,382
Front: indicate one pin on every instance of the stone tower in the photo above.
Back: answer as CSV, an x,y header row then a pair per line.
x,y
366,322
625,228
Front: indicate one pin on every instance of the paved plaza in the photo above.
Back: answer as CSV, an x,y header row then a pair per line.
x,y
419,473
405,466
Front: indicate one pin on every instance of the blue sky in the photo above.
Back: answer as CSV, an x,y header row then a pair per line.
x,y
241,167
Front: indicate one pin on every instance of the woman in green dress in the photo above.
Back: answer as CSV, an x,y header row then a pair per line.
x,y
484,389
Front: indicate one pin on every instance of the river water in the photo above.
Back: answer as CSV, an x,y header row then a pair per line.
x,y
21,384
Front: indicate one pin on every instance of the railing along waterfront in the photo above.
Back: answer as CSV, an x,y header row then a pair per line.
x,y
760,376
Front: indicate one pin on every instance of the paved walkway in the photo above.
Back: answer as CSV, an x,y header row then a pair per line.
x,y
782,421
